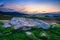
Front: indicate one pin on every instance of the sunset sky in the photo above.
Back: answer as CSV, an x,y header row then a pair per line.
x,y
32,6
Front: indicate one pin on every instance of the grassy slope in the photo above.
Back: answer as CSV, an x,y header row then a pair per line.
x,y
11,34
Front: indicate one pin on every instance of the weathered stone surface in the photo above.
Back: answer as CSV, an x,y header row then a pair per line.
x,y
23,22
28,33
54,25
6,24
26,28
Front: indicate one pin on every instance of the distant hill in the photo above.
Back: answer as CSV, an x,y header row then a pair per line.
x,y
7,11
12,13
47,14
23,14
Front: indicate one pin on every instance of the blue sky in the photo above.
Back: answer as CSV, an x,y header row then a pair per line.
x,y
37,1
49,4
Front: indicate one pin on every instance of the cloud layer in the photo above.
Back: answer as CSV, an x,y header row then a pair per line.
x,y
31,6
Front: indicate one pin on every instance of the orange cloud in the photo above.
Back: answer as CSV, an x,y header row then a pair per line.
x,y
35,8
40,9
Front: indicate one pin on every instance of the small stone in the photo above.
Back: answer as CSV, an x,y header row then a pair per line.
x,y
28,33
32,36
43,34
26,28
53,25
6,24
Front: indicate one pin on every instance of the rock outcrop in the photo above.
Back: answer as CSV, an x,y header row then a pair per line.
x,y
27,23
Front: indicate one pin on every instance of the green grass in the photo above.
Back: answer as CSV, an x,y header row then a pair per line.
x,y
8,17
11,34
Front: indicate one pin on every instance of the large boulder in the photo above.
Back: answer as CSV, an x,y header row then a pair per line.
x,y
26,23
23,22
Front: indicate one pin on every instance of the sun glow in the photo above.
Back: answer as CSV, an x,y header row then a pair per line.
x,y
40,9
35,8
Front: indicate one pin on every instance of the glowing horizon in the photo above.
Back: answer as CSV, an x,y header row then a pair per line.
x,y
33,6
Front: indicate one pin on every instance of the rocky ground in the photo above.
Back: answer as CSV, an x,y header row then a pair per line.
x,y
10,33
